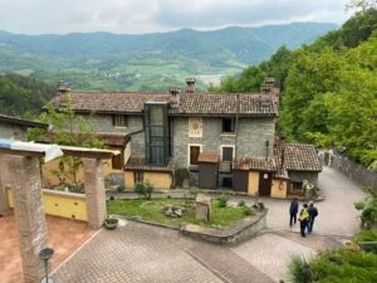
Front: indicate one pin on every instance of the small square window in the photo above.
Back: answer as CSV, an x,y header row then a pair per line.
x,y
229,125
227,153
120,121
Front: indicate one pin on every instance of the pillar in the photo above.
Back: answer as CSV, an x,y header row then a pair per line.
x,y
95,192
4,177
25,180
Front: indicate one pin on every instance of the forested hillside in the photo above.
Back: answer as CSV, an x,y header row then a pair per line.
x,y
151,62
22,96
329,88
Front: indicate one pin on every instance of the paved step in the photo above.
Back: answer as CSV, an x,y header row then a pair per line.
x,y
226,264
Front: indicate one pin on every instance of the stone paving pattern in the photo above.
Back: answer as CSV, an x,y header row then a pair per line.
x,y
143,253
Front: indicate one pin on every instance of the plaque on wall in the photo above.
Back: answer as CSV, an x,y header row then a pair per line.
x,y
195,127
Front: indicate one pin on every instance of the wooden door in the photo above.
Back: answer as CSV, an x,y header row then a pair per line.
x,y
208,175
265,182
240,180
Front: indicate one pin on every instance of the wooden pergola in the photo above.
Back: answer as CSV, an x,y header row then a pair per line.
x,y
20,170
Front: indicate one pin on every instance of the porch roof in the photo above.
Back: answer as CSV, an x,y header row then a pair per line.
x,y
139,163
208,157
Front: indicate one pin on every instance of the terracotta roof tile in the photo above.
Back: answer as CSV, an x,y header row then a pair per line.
x,y
301,157
258,164
207,156
250,104
138,163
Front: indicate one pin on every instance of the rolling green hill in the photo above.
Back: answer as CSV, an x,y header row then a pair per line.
x,y
113,62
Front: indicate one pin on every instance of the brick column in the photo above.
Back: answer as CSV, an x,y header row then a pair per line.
x,y
26,185
4,176
95,192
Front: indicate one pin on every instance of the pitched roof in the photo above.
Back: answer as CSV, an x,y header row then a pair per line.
x,y
301,157
114,139
138,163
258,164
121,102
248,104
21,122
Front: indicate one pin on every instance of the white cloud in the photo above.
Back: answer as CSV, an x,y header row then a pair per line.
x,y
139,16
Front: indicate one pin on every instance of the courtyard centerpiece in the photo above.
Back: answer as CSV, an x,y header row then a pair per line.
x,y
154,211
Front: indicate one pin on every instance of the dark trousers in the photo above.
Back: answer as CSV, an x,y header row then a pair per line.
x,y
292,219
310,225
303,225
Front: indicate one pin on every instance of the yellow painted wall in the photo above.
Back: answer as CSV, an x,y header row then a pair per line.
x,y
49,179
253,186
279,188
159,180
129,180
67,205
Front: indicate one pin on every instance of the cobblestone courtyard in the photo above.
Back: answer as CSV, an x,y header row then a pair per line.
x,y
143,253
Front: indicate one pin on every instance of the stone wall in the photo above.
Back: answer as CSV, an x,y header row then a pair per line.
x,y
9,131
252,136
312,177
104,123
352,170
245,228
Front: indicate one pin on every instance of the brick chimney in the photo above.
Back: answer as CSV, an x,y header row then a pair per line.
x,y
62,87
190,85
174,99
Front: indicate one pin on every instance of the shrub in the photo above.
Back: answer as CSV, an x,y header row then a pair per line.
x,y
248,211
241,203
299,270
222,200
194,191
367,240
369,209
345,266
145,189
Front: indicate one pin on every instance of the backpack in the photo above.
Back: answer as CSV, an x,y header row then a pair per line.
x,y
304,215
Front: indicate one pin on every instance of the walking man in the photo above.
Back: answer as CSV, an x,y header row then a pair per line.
x,y
313,213
293,210
304,219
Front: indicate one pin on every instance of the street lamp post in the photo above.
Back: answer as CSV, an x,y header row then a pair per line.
x,y
46,254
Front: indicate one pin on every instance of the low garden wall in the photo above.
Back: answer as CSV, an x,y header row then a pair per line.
x,y
243,229
352,170
62,204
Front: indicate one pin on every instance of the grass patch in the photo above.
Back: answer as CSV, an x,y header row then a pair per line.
x,y
152,211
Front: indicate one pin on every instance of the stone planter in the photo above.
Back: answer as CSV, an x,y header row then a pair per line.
x,y
110,223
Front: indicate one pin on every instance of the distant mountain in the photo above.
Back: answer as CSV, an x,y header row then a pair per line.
x,y
105,61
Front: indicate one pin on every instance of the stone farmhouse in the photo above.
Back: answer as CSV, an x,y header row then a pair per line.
x,y
16,128
224,140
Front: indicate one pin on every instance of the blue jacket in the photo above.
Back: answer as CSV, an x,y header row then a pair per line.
x,y
293,209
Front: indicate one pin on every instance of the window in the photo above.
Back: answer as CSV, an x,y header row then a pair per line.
x,y
229,125
194,154
138,176
117,161
120,121
227,153
157,138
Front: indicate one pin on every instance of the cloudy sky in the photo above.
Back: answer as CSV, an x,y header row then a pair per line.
x,y
140,16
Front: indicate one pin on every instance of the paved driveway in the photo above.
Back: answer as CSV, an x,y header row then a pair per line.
x,y
337,215
143,253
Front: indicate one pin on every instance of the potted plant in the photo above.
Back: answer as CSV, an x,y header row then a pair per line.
x,y
110,223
